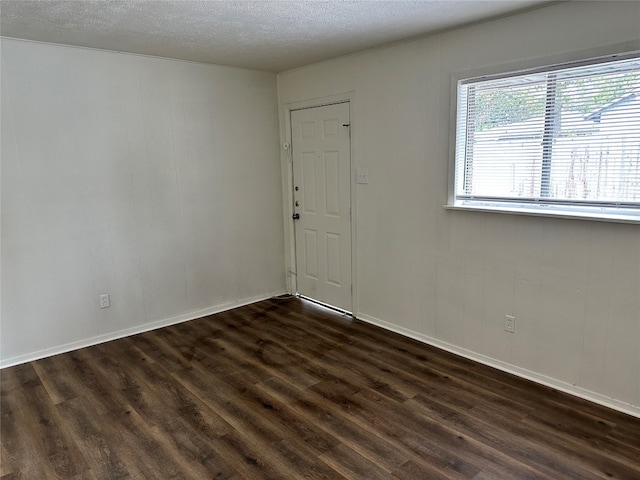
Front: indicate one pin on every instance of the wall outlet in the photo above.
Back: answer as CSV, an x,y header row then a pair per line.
x,y
510,323
104,301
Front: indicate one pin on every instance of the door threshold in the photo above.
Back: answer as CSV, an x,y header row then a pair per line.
x,y
326,305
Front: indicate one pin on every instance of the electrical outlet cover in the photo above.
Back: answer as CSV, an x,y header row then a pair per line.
x,y
510,323
104,301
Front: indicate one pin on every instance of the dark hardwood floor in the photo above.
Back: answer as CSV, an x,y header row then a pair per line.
x,y
286,389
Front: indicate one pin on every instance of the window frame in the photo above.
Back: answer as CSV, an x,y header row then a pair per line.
x,y
619,212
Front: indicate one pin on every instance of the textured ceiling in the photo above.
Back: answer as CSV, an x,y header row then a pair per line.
x,y
265,35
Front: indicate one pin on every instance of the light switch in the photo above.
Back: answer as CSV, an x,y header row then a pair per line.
x,y
362,175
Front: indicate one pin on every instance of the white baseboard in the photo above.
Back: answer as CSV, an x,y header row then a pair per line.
x,y
565,387
598,398
107,337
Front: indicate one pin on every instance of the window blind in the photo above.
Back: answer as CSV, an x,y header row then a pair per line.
x,y
567,135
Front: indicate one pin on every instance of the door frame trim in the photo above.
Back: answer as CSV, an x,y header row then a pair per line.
x,y
287,185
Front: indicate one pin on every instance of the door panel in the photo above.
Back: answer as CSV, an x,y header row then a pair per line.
x,y
309,182
333,256
322,195
310,245
332,183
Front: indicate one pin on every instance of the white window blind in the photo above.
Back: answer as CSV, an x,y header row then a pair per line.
x,y
566,136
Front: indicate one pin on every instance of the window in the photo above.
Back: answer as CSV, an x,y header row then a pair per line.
x,y
564,139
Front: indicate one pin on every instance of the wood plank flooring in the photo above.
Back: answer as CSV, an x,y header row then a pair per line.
x,y
284,389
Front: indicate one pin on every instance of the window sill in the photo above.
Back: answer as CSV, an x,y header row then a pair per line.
x,y
593,215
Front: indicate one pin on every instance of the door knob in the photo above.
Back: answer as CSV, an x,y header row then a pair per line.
x,y
296,216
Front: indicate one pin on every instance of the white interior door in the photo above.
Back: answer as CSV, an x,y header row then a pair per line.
x,y
322,200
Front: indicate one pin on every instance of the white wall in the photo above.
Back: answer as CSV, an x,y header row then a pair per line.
x,y
154,180
449,277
